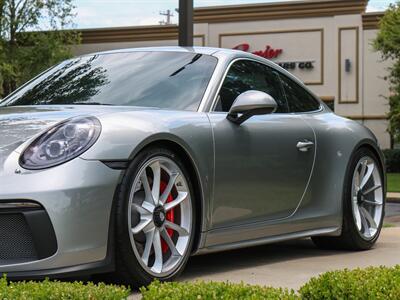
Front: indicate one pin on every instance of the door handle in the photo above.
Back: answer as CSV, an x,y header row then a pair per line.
x,y
304,146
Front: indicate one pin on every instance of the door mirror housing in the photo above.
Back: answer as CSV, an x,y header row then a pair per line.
x,y
251,103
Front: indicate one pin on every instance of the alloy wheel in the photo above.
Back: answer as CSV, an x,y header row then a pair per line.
x,y
367,197
160,216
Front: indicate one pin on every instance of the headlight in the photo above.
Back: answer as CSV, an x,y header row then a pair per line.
x,y
61,143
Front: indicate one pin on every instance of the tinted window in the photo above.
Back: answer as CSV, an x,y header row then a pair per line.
x,y
245,75
298,98
170,80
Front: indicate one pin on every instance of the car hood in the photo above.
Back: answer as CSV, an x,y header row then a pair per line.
x,y
20,123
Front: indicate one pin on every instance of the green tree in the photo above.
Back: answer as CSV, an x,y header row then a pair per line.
x,y
33,38
388,43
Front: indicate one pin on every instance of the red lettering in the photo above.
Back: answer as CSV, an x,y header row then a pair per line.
x,y
268,53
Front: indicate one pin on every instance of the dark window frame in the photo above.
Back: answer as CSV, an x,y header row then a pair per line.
x,y
214,101
320,106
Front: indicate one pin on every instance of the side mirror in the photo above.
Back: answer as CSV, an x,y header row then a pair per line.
x,y
251,103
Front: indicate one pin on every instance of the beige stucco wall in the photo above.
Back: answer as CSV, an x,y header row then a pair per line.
x,y
376,88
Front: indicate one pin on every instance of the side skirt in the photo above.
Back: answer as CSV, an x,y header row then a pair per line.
x,y
331,231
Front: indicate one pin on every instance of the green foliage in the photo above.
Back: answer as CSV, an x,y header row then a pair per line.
x,y
370,283
393,182
392,160
32,38
388,43
212,290
55,290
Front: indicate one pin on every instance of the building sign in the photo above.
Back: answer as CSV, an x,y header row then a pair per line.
x,y
268,53
271,53
293,65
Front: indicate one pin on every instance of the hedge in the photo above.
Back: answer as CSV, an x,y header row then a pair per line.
x,y
56,290
392,157
358,284
213,290
370,283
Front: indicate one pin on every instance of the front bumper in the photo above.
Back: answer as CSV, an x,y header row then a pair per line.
x,y
77,197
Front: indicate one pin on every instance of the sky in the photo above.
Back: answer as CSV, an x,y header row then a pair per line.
x,y
114,13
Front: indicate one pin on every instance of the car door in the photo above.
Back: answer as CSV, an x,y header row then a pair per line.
x,y
260,173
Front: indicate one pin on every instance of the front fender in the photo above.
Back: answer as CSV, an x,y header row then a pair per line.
x,y
125,134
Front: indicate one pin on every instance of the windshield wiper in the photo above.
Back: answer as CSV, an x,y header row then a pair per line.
x,y
194,59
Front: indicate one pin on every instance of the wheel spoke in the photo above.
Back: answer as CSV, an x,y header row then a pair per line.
x,y
365,225
147,248
146,187
372,202
156,181
370,169
142,225
180,230
357,216
368,217
158,262
373,189
170,243
179,199
363,169
168,189
141,209
357,181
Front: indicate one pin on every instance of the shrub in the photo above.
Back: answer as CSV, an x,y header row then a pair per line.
x,y
358,284
370,283
49,290
213,290
392,157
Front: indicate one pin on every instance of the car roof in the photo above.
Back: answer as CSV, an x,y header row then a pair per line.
x,y
198,50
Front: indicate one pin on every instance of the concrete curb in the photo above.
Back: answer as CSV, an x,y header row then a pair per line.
x,y
393,197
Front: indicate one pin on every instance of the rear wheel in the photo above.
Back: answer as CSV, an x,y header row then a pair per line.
x,y
155,222
363,207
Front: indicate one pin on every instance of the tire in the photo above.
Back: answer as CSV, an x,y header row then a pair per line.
x,y
145,254
353,237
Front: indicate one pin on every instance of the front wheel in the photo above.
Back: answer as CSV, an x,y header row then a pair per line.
x,y
155,218
363,205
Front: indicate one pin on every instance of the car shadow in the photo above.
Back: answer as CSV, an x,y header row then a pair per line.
x,y
258,256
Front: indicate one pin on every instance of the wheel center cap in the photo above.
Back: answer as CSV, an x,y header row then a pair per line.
x,y
159,216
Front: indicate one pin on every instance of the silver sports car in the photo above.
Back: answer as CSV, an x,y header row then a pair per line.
x,y
131,161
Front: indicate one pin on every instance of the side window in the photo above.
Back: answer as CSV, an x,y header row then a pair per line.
x,y
299,100
245,75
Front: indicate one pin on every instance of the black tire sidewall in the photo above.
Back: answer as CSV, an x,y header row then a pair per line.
x,y
132,271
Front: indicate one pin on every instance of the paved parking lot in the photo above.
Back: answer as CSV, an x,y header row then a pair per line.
x,y
291,264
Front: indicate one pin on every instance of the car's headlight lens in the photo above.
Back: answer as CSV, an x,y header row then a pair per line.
x,y
61,143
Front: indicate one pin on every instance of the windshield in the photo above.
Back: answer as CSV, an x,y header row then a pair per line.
x,y
166,80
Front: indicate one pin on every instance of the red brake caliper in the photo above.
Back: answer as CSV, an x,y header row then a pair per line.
x,y
169,216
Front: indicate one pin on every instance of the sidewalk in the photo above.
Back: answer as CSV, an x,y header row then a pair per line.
x,y
393,197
